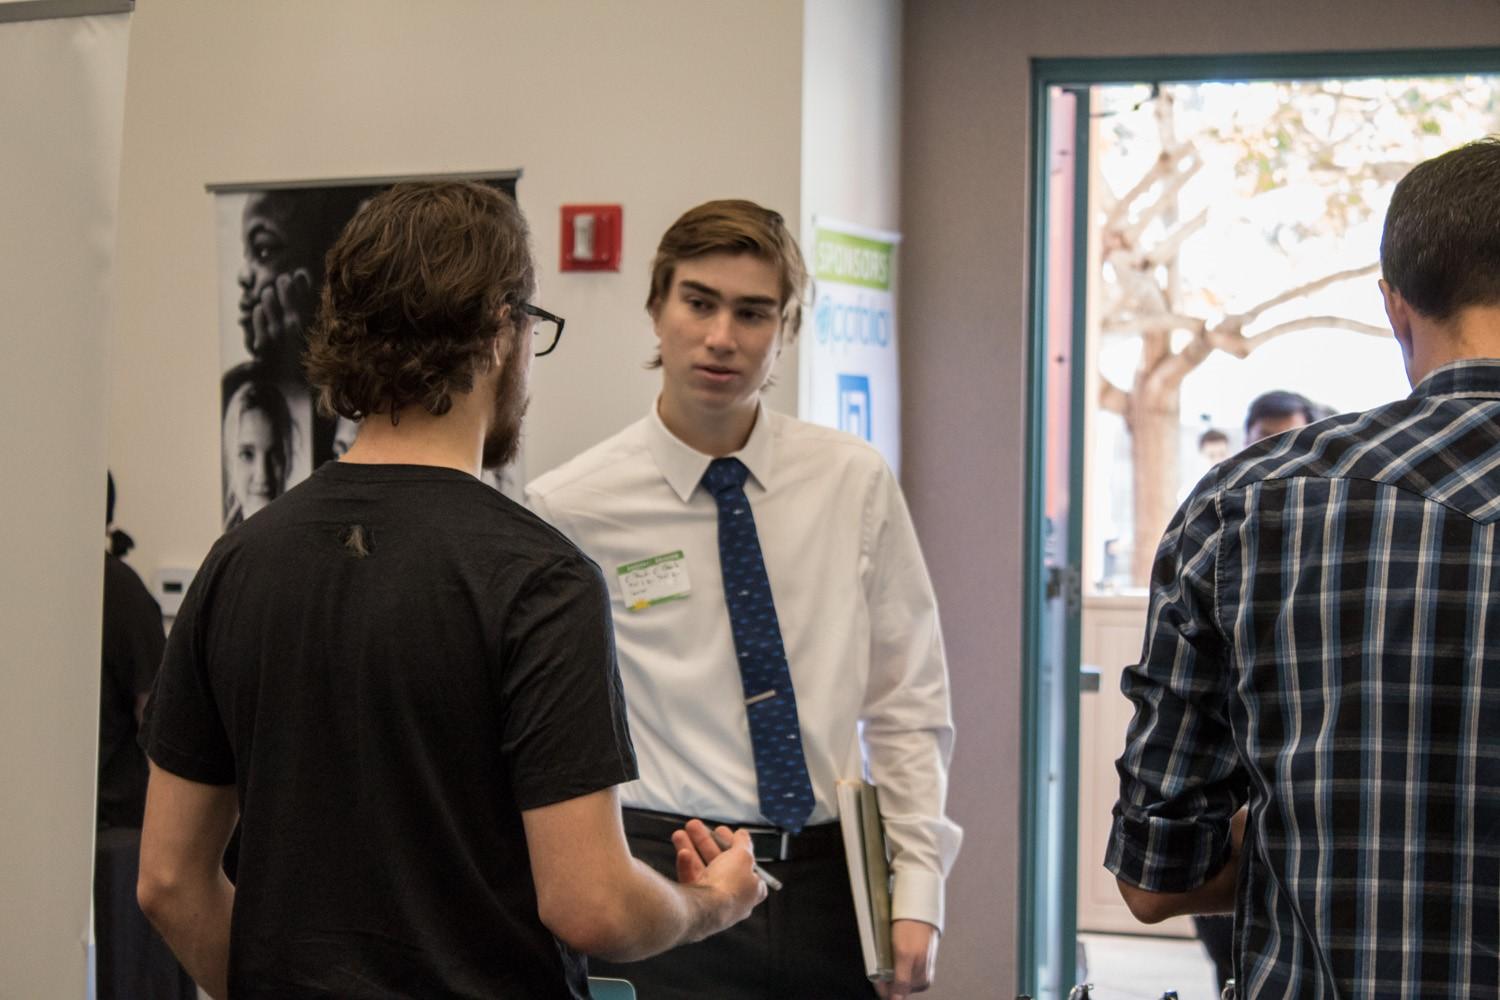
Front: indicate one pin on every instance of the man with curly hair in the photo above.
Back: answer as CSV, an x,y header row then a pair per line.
x,y
402,684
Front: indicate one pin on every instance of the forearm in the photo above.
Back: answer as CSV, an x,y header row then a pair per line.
x,y
910,770
601,901
1214,896
908,721
649,914
193,919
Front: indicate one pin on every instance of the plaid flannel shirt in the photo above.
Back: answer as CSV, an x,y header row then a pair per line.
x,y
1324,644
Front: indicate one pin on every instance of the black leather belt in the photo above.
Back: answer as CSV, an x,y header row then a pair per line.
x,y
771,844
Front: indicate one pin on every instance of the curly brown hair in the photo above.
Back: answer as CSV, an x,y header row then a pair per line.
x,y
412,298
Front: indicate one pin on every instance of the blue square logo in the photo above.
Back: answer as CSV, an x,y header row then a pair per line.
x,y
854,405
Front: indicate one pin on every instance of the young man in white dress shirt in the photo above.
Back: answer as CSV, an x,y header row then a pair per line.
x,y
859,640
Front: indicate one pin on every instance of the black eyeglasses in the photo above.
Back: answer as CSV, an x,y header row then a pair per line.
x,y
546,332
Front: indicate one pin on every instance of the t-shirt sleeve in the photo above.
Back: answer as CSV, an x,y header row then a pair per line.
x,y
564,729
184,731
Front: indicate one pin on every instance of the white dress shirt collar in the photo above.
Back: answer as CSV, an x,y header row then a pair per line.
x,y
683,466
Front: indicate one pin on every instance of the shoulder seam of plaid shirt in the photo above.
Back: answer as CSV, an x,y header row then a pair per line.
x,y
1321,643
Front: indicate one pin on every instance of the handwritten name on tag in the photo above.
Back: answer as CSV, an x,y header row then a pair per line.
x,y
649,582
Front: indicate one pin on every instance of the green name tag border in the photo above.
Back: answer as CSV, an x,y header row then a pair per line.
x,y
647,563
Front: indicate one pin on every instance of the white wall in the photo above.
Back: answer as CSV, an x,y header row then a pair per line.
x,y
655,104
60,116
965,157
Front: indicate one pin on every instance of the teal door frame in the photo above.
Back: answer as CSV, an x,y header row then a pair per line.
x,y
1041,761
1049,833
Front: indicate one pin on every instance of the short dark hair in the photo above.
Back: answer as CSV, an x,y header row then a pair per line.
x,y
1441,244
733,226
412,297
1278,404
1212,436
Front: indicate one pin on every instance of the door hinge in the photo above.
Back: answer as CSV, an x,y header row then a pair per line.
x,y
1066,582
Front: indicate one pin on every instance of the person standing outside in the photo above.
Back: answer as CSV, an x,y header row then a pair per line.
x,y
403,684
776,626
1322,648
1277,412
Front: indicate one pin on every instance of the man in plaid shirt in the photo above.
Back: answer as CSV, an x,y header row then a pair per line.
x,y
1324,648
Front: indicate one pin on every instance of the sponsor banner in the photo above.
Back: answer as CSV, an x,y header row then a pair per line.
x,y
849,377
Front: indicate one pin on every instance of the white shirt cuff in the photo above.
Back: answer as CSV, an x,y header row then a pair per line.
x,y
918,895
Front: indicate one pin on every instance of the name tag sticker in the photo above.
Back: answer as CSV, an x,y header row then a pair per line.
x,y
654,581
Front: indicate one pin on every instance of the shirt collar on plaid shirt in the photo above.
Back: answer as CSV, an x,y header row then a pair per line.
x,y
1469,377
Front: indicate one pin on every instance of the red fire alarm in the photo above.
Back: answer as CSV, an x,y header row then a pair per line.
x,y
591,237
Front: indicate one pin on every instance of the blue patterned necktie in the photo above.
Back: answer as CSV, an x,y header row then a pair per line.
x,y
786,795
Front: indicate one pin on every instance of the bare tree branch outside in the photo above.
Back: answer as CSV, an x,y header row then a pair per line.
x,y
1296,175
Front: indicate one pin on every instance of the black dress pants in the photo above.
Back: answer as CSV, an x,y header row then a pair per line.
x,y
802,943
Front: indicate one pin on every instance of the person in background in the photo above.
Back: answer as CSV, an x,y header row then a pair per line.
x,y
1320,684
1277,412
403,684
776,626
133,642
1213,446
131,959
258,436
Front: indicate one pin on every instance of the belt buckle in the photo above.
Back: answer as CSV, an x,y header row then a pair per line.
x,y
776,850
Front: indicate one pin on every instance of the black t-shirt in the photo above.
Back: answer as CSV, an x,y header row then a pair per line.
x,y
386,718
132,645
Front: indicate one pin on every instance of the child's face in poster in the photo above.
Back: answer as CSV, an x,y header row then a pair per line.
x,y
256,472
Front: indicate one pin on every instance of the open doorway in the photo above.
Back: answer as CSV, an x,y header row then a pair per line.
x,y
1207,231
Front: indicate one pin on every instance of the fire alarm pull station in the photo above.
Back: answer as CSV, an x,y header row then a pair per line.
x,y
591,237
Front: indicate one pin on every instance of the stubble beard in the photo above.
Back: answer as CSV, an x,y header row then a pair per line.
x,y
503,441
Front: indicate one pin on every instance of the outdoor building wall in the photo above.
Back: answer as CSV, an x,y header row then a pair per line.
x,y
964,197
656,105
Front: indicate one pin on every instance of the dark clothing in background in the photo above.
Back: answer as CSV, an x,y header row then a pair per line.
x,y
386,717
133,641
132,962
1324,643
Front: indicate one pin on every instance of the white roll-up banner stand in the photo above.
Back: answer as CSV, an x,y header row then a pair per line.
x,y
62,104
